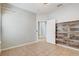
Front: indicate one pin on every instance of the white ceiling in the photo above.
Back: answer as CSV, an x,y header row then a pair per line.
x,y
38,8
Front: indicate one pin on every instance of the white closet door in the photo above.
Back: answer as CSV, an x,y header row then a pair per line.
x,y
0,28
50,32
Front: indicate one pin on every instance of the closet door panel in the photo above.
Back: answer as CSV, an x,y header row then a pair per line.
x,y
0,28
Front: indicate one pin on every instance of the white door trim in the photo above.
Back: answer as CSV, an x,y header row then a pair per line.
x,y
51,29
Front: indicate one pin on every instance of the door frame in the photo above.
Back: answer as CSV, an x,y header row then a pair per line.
x,y
37,27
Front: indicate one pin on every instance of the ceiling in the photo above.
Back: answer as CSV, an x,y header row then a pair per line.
x,y
38,8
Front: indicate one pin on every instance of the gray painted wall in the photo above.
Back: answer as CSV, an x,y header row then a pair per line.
x,y
18,26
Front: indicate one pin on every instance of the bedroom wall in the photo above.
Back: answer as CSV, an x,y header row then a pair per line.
x,y
18,26
42,16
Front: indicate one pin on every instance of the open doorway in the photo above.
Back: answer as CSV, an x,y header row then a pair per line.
x,y
42,30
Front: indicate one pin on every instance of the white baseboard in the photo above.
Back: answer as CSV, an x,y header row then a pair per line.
x,y
20,45
36,42
68,47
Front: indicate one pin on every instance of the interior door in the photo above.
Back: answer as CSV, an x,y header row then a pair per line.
x,y
50,31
